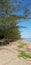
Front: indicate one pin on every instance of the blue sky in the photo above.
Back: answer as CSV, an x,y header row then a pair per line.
x,y
26,32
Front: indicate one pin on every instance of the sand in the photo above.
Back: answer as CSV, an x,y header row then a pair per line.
x,y
9,55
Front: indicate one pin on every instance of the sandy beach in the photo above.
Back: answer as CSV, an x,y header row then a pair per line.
x,y
9,55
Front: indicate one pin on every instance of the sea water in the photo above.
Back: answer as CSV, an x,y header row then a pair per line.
x,y
27,39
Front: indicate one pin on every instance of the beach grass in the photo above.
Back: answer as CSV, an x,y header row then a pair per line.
x,y
24,55
21,45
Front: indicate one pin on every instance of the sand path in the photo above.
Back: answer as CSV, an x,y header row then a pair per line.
x,y
9,56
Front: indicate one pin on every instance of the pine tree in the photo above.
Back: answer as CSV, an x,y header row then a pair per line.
x,y
8,20
11,31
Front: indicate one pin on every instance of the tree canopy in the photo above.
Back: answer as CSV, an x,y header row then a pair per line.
x,y
8,18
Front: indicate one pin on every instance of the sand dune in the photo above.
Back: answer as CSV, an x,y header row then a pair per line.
x,y
9,55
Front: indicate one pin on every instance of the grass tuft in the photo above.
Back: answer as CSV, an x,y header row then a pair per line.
x,y
21,45
24,55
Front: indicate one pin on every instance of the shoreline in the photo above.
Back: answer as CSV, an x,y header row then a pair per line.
x,y
28,43
25,41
